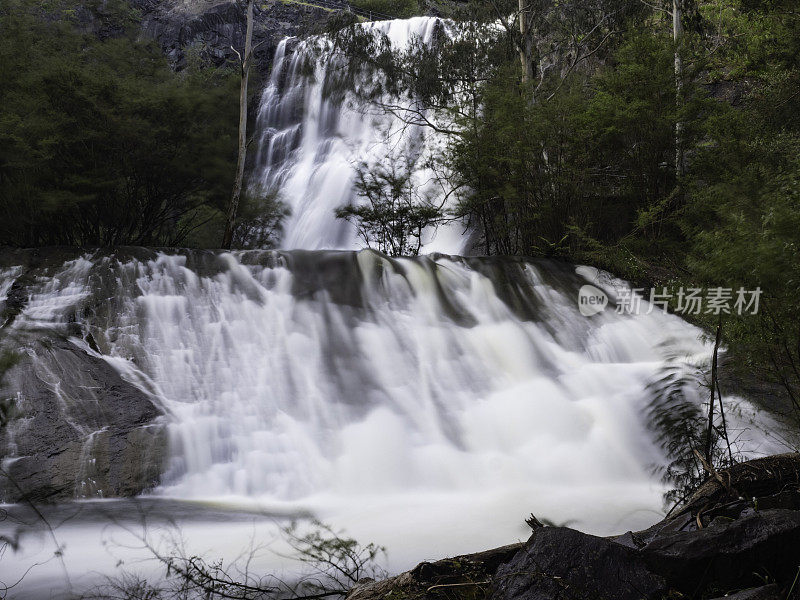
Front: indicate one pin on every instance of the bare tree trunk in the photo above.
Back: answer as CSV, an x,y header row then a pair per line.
x,y
526,44
714,387
233,208
677,36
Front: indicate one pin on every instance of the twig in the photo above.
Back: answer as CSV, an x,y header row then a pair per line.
x,y
714,473
466,583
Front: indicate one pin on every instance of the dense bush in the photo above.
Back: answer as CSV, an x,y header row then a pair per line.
x,y
100,142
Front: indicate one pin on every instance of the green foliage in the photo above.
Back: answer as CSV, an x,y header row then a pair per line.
x,y
751,194
742,217
390,8
586,163
394,213
100,142
260,220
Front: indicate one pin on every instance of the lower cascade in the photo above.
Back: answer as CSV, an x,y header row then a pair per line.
x,y
324,380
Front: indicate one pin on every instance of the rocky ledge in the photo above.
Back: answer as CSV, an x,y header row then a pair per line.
x,y
738,537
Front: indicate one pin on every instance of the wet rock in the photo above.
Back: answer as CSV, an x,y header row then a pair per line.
x,y
764,592
727,553
77,429
558,562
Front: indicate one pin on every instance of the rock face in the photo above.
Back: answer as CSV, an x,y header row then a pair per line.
x,y
729,549
70,425
210,29
77,429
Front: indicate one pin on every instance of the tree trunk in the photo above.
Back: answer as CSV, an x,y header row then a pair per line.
x,y
526,44
233,208
677,36
710,431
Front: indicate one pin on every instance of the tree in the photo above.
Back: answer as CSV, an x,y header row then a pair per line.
x,y
395,212
677,37
742,216
526,42
677,15
260,220
100,142
245,62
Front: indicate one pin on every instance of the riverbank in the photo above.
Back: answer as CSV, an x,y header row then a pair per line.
x,y
738,537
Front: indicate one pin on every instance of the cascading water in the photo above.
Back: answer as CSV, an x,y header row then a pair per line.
x,y
310,145
402,377
327,378
428,404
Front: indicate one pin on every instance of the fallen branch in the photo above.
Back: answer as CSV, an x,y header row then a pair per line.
x,y
466,583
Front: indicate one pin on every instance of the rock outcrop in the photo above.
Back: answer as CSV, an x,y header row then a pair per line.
x,y
76,428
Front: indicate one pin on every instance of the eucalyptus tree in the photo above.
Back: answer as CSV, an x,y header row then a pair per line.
x,y
245,61
678,11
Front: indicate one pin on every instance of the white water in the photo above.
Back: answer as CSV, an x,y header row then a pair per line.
x,y
350,379
310,146
287,400
404,401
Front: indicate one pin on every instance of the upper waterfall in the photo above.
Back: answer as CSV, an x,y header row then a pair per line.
x,y
309,145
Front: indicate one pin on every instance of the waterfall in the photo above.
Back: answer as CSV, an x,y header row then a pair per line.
x,y
428,403
309,145
318,380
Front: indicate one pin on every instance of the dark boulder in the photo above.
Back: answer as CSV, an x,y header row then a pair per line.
x,y
728,554
561,563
